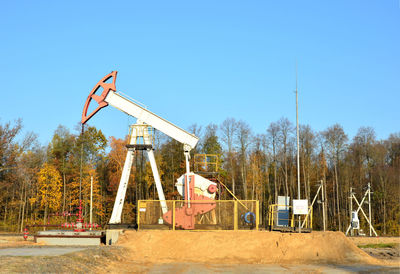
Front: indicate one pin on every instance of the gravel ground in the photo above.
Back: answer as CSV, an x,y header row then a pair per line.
x,y
38,251
391,254
88,259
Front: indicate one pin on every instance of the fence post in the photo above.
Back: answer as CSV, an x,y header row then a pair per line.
x,y
235,218
173,215
257,214
138,215
292,219
270,215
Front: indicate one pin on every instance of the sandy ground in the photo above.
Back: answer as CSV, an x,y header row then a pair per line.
x,y
244,252
246,247
374,240
202,252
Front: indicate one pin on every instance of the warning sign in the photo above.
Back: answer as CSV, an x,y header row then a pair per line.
x,y
300,207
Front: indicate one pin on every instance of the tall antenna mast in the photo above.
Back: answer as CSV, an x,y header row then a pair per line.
x,y
297,135
298,150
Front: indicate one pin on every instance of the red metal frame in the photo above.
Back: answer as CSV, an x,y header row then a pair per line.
x,y
79,221
26,233
79,226
99,98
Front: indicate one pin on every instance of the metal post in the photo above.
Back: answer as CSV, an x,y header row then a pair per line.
x,y
187,184
323,205
257,214
138,215
173,215
235,217
369,209
91,201
351,210
298,152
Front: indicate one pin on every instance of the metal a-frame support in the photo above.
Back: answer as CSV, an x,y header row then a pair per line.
x,y
138,131
320,189
353,197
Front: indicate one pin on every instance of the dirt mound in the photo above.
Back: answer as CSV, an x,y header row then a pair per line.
x,y
245,247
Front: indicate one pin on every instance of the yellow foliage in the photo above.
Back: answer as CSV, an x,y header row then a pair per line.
x,y
98,209
32,200
97,198
49,186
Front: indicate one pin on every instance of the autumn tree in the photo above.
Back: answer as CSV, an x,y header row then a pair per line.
x,y
28,166
59,154
211,143
89,181
49,186
307,147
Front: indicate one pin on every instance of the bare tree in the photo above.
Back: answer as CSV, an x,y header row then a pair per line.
x,y
273,133
243,135
228,132
365,139
335,143
285,131
198,131
307,147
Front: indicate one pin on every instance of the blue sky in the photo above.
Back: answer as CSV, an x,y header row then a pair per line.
x,y
203,61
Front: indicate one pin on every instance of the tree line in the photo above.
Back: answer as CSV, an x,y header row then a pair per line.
x,y
38,181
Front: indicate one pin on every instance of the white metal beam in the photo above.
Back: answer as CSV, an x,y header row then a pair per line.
x,y
137,111
123,185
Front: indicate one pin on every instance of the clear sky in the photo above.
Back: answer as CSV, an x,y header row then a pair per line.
x,y
203,61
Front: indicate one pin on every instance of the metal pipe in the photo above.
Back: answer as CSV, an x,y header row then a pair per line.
x,y
351,209
369,209
298,152
323,204
91,200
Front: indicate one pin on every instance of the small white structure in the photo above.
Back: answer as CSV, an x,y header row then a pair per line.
x,y
355,222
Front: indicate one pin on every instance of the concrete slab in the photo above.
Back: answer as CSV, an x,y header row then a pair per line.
x,y
69,237
68,241
38,251
112,235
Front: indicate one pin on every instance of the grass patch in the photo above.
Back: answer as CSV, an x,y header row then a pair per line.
x,y
388,245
